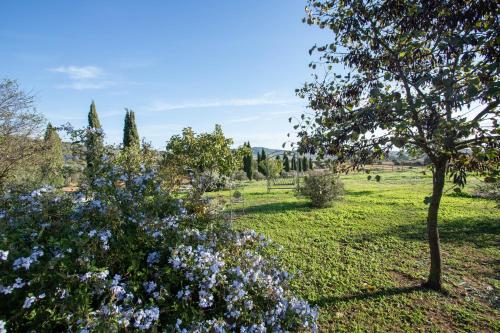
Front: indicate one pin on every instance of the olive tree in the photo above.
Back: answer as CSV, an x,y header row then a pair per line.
x,y
21,127
416,75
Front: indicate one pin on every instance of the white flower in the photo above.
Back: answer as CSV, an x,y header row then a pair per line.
x,y
4,255
28,302
2,326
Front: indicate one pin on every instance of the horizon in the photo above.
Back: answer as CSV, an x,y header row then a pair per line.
x,y
175,64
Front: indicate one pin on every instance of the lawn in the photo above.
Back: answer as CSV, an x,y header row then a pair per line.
x,y
362,261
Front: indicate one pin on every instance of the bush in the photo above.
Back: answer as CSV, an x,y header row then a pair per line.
x,y
488,190
322,188
258,176
240,175
127,255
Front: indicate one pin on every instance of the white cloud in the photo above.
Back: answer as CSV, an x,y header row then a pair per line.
x,y
83,85
79,73
266,99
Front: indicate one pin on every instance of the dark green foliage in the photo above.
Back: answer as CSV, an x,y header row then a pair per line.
x,y
311,166
248,160
261,158
263,155
378,178
93,118
130,134
305,164
51,168
294,162
94,143
286,162
299,164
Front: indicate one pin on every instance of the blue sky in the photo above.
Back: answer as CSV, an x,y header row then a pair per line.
x,y
175,63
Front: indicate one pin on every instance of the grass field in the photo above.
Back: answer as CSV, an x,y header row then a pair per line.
x,y
362,261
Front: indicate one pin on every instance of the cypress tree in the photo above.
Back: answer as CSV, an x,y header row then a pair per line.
x,y
54,159
286,162
130,134
299,163
247,161
94,142
305,164
294,163
311,164
263,158
263,155
93,118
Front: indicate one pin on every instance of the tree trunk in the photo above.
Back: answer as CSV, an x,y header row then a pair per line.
x,y
438,179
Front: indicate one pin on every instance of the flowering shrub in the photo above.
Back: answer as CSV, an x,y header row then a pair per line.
x,y
126,254
321,188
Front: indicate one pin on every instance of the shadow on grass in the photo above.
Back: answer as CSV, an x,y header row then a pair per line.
x,y
359,193
482,232
277,207
371,295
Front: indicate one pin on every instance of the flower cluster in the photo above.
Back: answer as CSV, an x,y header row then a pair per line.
x,y
126,254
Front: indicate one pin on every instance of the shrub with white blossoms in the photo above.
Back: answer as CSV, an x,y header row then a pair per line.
x,y
126,254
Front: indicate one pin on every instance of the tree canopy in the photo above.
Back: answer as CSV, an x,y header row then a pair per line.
x,y
21,127
205,152
415,75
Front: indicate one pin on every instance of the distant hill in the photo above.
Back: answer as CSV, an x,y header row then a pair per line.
x,y
269,151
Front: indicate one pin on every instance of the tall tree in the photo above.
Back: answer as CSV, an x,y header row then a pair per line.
x,y
51,167
294,162
94,142
305,164
417,75
299,164
21,127
130,135
311,166
286,162
263,155
248,160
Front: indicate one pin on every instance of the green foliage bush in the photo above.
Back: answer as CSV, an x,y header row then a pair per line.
x,y
322,188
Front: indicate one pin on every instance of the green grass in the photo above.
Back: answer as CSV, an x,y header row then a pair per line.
x,y
362,261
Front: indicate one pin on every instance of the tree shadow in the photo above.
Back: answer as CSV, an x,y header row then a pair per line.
x,y
276,207
386,292
359,193
482,232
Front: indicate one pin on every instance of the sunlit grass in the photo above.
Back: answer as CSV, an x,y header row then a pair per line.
x,y
363,259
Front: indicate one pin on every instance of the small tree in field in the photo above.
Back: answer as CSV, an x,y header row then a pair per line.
x,y
203,156
421,76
